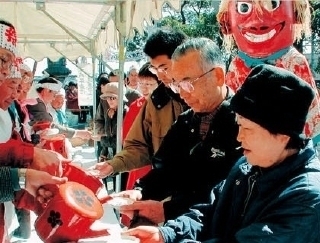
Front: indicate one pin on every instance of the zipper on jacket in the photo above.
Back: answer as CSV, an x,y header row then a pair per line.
x,y
251,182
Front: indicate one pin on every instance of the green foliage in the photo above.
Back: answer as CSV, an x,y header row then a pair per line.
x,y
136,42
315,18
203,26
196,19
315,25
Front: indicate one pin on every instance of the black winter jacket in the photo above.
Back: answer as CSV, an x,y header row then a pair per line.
x,y
187,167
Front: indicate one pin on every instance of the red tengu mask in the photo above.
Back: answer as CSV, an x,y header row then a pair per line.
x,y
261,28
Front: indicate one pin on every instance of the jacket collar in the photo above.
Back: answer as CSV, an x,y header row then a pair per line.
x,y
286,169
162,95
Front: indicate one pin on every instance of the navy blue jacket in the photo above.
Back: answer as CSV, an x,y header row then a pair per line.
x,y
278,204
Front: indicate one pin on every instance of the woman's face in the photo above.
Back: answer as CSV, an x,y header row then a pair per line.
x,y
9,92
113,102
58,101
260,147
48,95
147,85
27,79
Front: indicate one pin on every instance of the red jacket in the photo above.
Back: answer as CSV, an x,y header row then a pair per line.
x,y
134,109
16,153
127,122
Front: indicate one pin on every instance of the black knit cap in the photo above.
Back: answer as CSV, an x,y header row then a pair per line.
x,y
274,98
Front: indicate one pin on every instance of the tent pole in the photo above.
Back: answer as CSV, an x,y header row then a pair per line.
x,y
120,10
120,104
94,105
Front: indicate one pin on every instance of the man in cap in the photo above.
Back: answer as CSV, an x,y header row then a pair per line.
x,y
109,137
56,108
47,88
100,117
131,94
108,133
272,194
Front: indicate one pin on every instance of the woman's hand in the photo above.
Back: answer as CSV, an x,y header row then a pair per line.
x,y
36,179
49,161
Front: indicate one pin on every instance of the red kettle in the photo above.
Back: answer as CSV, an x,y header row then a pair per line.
x,y
69,215
75,173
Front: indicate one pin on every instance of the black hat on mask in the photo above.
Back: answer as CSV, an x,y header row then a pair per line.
x,y
274,98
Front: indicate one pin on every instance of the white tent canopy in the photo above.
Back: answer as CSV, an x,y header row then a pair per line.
x,y
73,28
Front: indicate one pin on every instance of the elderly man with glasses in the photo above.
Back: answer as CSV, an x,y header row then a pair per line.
x,y
200,148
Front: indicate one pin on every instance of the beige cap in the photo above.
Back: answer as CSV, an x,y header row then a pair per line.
x,y
113,91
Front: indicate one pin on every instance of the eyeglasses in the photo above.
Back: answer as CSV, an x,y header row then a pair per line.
x,y
187,85
155,70
5,62
111,98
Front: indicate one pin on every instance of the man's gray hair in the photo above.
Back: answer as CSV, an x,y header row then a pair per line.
x,y
210,53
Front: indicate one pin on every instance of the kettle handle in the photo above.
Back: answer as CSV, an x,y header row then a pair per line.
x,y
54,190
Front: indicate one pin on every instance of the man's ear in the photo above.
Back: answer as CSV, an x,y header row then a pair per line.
x,y
219,76
223,20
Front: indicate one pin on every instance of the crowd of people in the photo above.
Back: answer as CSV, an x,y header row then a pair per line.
x,y
212,153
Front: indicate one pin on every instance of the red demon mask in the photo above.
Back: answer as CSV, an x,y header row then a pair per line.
x,y
261,28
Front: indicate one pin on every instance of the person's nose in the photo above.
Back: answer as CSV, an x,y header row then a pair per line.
x,y
162,76
15,94
4,73
184,94
240,135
